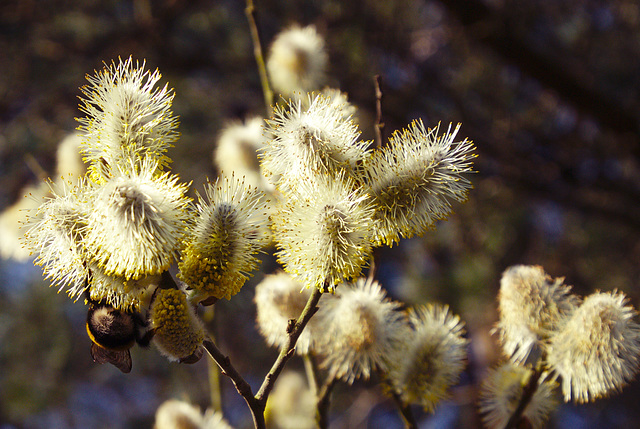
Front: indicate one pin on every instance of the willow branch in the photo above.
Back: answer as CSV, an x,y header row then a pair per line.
x,y
243,388
293,330
250,11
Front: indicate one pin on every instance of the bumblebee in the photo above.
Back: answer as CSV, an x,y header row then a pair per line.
x,y
113,332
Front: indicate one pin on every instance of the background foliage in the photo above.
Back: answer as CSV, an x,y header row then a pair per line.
x,y
548,91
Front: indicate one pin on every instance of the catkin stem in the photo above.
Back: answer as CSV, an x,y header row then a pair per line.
x,y
215,390
311,371
379,125
250,11
527,394
258,402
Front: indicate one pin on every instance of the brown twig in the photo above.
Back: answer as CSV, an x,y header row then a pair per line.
x,y
379,125
250,11
244,389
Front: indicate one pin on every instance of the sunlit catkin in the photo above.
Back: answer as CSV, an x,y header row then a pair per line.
x,y
414,180
56,233
137,222
311,139
128,118
323,232
229,231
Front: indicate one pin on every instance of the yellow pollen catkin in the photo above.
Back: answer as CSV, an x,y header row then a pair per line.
x,y
178,332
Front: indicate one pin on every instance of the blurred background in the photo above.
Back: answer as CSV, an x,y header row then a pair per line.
x,y
548,91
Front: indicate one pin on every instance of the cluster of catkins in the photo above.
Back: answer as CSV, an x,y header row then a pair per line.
x,y
336,198
547,332
111,235
359,331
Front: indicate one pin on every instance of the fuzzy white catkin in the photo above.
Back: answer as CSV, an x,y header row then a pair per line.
x,y
137,222
127,118
323,232
237,152
363,328
431,358
597,351
311,139
291,405
230,229
297,60
175,414
414,179
280,298
532,307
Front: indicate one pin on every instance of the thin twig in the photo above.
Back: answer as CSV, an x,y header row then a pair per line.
x,y
250,11
35,167
294,330
243,388
323,399
379,125
525,399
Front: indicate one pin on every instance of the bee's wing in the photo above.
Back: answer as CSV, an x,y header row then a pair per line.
x,y
120,359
